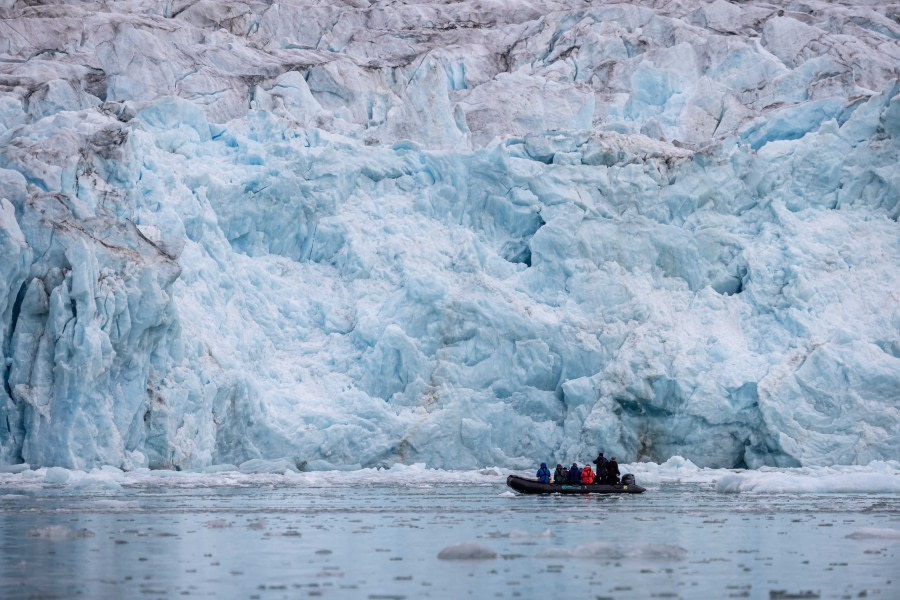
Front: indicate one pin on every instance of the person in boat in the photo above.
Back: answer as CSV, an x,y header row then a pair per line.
x,y
574,473
543,474
601,463
587,475
560,475
612,472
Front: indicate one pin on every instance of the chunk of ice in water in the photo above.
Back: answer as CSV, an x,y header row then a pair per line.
x,y
56,475
611,551
878,477
516,533
59,532
467,551
218,524
875,533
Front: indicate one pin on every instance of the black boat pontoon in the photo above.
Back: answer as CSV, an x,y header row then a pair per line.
x,y
533,486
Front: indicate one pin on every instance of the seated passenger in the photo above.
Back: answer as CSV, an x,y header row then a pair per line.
x,y
587,476
543,474
560,475
574,474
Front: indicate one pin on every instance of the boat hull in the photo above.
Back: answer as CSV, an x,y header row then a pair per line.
x,y
524,485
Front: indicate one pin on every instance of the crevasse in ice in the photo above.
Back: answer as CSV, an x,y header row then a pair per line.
x,y
479,233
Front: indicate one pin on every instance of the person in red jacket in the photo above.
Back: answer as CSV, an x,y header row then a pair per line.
x,y
587,476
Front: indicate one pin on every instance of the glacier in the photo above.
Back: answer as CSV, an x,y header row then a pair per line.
x,y
359,234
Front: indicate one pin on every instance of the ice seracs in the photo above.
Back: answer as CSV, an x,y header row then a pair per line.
x,y
467,234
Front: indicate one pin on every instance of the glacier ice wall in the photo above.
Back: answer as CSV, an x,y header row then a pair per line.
x,y
457,233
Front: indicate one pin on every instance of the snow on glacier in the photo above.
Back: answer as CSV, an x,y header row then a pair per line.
x,y
464,234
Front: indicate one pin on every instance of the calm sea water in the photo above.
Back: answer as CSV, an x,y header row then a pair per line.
x,y
279,541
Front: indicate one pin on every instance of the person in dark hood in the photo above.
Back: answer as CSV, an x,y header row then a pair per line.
x,y
574,473
601,463
560,475
543,474
612,471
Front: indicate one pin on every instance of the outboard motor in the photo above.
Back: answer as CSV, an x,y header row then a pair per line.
x,y
627,479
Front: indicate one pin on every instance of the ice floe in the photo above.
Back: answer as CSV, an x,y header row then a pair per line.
x,y
467,551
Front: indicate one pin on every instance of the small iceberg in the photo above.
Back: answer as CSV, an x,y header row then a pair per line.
x,y
467,551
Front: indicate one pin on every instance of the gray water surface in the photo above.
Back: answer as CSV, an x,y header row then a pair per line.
x,y
675,541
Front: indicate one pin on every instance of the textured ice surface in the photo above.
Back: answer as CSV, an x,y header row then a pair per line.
x,y
878,477
467,234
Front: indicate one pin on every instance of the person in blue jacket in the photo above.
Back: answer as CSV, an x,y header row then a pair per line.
x,y
574,473
543,474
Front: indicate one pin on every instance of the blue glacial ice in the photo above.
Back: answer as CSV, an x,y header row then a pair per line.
x,y
457,234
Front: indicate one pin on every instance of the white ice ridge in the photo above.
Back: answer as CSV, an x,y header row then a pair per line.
x,y
466,234
875,478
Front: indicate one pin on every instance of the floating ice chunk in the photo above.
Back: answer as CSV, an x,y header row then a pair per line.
x,y
57,475
286,533
104,477
617,551
875,533
531,534
492,472
467,551
675,470
218,524
516,533
107,478
258,465
59,532
816,480
508,494
14,468
224,468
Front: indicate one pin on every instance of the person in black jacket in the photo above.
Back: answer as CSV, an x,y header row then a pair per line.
x,y
560,475
612,471
601,463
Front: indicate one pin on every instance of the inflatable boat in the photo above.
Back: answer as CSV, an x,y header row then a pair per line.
x,y
524,485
